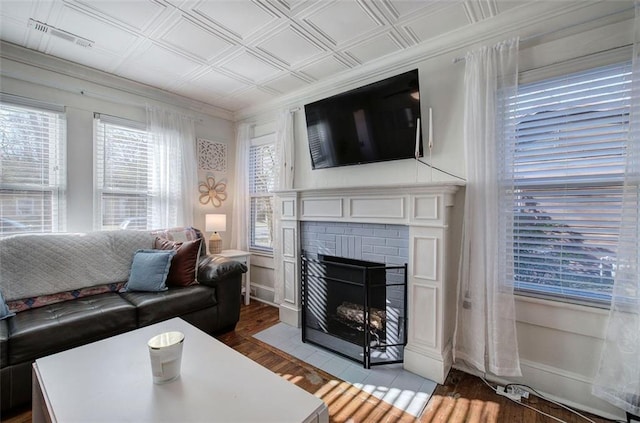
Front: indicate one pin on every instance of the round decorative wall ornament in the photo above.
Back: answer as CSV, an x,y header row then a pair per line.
x,y
213,192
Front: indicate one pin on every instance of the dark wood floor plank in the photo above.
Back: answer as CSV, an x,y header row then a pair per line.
x,y
462,399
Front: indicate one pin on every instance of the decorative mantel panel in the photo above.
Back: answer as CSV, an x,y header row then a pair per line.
x,y
426,210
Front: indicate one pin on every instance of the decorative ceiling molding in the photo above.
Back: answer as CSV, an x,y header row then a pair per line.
x,y
235,58
21,56
557,18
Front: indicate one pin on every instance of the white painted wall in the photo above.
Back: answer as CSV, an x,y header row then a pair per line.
x,y
38,83
559,343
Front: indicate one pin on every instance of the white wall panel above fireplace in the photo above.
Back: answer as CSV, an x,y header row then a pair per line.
x,y
321,208
377,208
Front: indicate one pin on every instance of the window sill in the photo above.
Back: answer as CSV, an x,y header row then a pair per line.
x,y
261,253
566,317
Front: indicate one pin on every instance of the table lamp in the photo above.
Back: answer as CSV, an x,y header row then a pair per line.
x,y
215,223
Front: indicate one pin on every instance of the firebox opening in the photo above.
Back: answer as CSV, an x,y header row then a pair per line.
x,y
354,308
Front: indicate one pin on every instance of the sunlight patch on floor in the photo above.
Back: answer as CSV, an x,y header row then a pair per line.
x,y
389,383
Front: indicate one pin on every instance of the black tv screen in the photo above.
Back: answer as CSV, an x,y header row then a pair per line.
x,y
373,123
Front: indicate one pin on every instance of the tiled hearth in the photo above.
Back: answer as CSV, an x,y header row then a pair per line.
x,y
392,225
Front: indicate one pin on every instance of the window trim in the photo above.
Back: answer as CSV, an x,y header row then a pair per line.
x,y
259,141
57,161
99,191
609,181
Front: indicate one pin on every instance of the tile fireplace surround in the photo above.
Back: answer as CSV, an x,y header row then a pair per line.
x,y
432,212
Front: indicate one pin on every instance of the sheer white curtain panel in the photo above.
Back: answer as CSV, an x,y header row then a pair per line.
x,y
618,378
175,178
485,334
285,153
240,214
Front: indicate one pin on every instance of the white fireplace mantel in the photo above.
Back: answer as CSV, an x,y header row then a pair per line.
x,y
433,255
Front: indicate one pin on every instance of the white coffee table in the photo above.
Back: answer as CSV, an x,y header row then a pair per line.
x,y
110,381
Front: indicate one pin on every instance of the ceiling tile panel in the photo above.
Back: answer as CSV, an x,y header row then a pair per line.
x,y
137,14
286,83
250,67
215,82
105,36
241,18
438,23
188,36
374,48
405,8
342,21
324,68
157,78
253,95
13,30
157,58
91,57
289,46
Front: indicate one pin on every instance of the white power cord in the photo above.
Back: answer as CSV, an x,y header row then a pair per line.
x,y
525,405
552,401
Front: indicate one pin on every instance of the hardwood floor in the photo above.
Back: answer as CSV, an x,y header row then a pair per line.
x,y
463,398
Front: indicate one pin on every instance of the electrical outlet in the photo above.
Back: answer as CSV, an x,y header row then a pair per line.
x,y
516,390
515,397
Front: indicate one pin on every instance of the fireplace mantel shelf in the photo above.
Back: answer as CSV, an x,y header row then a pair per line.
x,y
443,187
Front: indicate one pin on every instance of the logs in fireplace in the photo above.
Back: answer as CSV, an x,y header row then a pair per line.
x,y
355,308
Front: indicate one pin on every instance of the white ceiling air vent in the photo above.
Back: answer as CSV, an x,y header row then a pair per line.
x,y
60,33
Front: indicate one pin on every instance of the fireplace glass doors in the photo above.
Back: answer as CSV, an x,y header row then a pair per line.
x,y
355,308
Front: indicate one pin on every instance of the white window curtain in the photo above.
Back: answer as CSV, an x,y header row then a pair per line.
x,y
485,335
618,378
285,152
240,215
175,167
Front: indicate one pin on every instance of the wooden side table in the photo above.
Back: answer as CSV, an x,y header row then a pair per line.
x,y
242,257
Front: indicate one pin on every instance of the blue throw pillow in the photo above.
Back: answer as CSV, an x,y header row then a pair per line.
x,y
4,310
149,270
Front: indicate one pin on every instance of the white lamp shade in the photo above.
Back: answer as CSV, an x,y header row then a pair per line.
x,y
216,223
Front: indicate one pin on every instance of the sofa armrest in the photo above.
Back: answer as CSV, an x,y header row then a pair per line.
x,y
213,269
225,275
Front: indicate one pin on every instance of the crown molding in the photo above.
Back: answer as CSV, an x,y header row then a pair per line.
x,y
103,83
530,20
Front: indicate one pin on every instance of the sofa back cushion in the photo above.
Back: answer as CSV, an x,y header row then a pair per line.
x,y
34,265
185,263
182,234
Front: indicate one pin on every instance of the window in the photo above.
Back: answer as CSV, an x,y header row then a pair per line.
x,y
262,168
32,166
567,183
124,174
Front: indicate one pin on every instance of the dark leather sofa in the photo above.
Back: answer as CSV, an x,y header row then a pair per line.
x,y
213,305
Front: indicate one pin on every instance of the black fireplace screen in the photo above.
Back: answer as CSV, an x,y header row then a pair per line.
x,y
355,308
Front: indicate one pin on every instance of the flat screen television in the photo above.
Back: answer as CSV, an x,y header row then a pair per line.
x,y
373,123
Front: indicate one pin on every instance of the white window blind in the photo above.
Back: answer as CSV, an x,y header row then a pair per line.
x,y
32,166
262,168
124,172
568,176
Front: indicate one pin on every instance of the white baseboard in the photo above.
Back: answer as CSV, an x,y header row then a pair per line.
x,y
290,314
433,368
570,389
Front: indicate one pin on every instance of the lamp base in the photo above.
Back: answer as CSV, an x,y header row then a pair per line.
x,y
215,244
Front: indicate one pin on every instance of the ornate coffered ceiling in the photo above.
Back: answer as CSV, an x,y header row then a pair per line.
x,y
234,54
